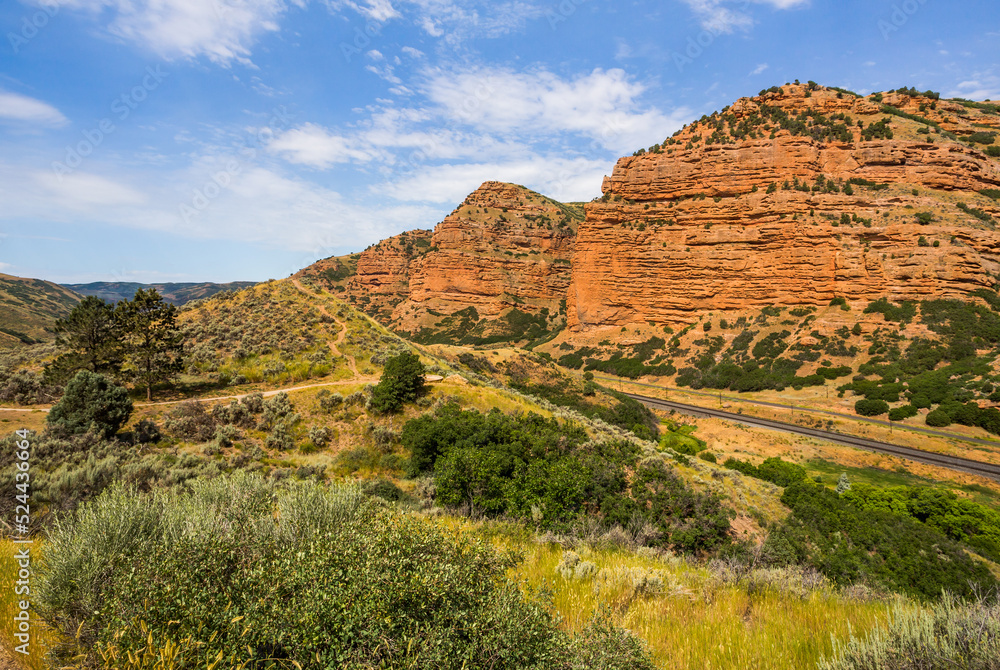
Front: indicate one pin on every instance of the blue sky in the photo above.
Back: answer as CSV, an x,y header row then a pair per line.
x,y
219,140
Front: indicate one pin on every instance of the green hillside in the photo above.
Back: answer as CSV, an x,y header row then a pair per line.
x,y
29,309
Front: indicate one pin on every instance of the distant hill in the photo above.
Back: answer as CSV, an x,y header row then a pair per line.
x,y
174,293
29,309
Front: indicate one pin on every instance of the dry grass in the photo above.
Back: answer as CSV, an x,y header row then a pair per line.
x,y
42,638
695,616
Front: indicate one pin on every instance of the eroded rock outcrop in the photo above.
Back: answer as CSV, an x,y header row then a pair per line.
x,y
755,207
504,248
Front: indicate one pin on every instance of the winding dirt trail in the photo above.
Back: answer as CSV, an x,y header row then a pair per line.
x,y
334,344
266,394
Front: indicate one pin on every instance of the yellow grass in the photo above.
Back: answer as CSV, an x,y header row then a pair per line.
x,y
42,638
688,615
694,620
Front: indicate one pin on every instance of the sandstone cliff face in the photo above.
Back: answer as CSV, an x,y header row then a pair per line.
x,y
382,278
737,212
504,247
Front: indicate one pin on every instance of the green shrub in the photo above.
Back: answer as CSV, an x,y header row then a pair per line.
x,y
189,421
866,407
850,544
978,213
900,413
532,468
774,470
962,520
902,313
982,137
280,437
402,381
91,402
952,634
320,436
193,566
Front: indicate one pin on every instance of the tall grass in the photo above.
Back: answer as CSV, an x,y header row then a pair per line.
x,y
949,634
42,637
696,616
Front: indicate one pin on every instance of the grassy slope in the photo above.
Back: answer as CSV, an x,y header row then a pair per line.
x,y
29,309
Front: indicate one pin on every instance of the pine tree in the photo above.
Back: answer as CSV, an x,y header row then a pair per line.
x,y
91,402
843,484
91,339
153,344
402,381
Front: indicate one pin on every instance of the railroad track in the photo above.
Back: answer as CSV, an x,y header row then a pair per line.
x,y
952,462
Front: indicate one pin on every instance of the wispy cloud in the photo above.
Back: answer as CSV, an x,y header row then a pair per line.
x,y
566,179
726,16
981,86
84,191
255,207
603,105
312,145
21,109
221,30
453,21
526,126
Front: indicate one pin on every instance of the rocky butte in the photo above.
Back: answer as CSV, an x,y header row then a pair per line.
x,y
793,197
505,251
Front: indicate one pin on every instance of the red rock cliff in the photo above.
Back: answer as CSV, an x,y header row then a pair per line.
x,y
755,207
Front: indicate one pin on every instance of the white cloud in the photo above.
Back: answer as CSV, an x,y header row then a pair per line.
x,y
225,30
460,20
453,20
81,191
760,69
221,30
718,17
314,146
22,109
375,10
603,105
565,179
489,116
259,205
982,86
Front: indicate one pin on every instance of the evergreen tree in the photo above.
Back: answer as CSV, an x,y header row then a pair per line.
x,y
402,381
154,347
91,338
91,402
